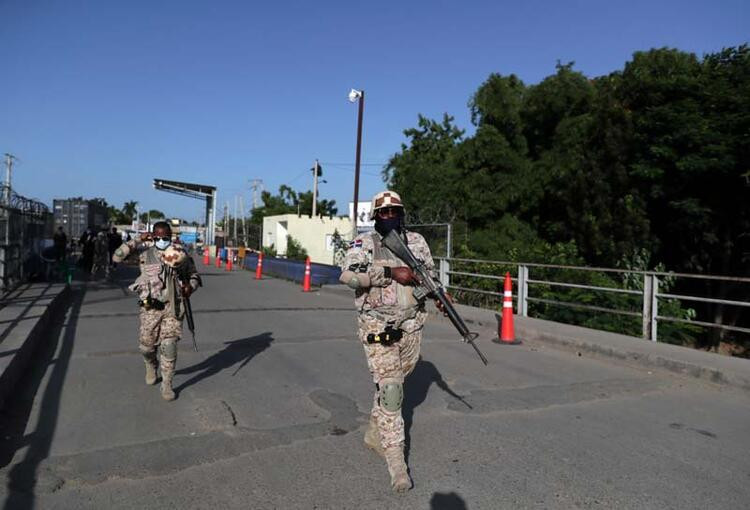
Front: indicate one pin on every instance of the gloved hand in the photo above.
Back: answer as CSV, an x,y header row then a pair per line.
x,y
404,275
440,306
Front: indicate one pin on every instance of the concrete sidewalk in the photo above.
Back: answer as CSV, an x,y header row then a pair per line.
x,y
25,315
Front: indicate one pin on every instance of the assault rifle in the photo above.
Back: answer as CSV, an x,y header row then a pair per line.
x,y
190,322
428,287
184,276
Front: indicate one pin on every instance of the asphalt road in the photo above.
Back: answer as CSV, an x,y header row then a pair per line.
x,y
271,412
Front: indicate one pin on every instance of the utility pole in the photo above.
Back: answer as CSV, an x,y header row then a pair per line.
x,y
226,223
242,223
9,158
257,186
315,170
235,220
357,95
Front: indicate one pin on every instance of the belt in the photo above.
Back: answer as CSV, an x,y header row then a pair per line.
x,y
388,337
151,304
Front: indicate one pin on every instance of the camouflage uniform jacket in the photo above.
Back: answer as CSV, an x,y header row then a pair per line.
x,y
160,272
381,300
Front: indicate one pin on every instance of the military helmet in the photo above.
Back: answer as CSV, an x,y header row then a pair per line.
x,y
385,199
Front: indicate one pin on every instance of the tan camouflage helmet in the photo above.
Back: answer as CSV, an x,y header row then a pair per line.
x,y
385,199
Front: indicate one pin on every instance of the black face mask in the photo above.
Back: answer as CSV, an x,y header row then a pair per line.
x,y
384,225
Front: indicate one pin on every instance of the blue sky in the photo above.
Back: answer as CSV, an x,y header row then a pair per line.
x,y
97,98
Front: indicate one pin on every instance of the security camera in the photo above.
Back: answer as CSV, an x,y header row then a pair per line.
x,y
354,94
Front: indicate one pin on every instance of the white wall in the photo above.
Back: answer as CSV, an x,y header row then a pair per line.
x,y
310,232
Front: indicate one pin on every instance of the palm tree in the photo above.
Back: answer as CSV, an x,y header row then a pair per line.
x,y
129,210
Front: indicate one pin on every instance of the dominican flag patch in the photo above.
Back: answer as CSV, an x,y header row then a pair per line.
x,y
357,243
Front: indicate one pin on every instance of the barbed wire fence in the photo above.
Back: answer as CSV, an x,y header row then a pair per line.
x,y
24,224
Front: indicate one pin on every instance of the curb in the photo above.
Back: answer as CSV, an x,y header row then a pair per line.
x,y
19,362
706,366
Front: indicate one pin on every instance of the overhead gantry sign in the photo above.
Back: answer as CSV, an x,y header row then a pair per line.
x,y
199,191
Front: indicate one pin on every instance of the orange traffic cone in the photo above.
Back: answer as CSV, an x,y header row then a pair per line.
x,y
206,258
507,334
306,279
259,267
230,264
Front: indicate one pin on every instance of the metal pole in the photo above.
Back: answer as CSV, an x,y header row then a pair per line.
x,y
234,237
8,169
523,291
359,152
654,307
449,241
647,301
315,189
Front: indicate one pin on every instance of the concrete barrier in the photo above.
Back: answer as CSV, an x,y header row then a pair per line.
x,y
26,316
294,270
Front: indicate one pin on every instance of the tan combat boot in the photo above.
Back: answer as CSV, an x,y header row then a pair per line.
x,y
400,481
167,392
372,438
150,361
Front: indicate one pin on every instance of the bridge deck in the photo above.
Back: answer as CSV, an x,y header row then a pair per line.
x,y
270,414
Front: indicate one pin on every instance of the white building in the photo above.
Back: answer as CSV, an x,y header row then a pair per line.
x,y
314,234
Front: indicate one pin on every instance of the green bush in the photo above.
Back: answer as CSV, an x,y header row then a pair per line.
x,y
294,249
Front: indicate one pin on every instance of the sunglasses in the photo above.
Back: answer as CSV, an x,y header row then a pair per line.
x,y
162,238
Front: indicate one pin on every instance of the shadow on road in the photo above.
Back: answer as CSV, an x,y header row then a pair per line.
x,y
22,477
449,501
237,351
415,392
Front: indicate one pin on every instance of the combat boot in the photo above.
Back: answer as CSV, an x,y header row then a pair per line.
x,y
150,361
400,481
167,393
167,360
372,437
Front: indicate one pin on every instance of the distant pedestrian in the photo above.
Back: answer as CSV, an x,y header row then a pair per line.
x,y
60,242
101,254
241,252
86,243
115,240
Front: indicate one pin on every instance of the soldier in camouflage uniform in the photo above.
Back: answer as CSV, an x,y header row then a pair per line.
x,y
390,324
167,274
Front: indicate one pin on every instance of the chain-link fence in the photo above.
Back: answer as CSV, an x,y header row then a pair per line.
x,y
24,226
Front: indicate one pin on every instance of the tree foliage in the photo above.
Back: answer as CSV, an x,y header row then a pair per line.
x,y
651,161
288,201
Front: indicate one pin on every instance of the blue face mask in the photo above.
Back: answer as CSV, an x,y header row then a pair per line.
x,y
161,244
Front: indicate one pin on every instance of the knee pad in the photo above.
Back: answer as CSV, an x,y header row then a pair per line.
x,y
146,349
168,350
391,396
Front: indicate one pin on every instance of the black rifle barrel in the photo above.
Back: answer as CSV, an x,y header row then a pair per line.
x,y
191,323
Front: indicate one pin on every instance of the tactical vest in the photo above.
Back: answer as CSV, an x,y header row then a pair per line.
x,y
395,303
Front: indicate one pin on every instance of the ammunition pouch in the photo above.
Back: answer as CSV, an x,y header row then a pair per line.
x,y
388,337
151,304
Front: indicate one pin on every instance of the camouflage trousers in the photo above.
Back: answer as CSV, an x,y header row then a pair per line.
x,y
159,328
390,364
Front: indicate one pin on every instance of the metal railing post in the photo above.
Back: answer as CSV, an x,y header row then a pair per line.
x,y
646,314
654,307
445,267
523,291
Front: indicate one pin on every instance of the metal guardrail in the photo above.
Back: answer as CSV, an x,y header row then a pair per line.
x,y
650,295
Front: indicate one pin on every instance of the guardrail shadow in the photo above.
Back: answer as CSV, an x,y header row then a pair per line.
x,y
416,387
56,352
236,352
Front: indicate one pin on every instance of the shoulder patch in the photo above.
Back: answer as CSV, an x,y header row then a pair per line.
x,y
357,243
